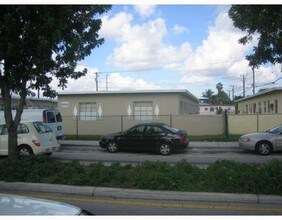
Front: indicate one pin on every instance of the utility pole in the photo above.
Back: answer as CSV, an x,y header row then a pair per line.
x,y
96,79
233,93
244,89
254,86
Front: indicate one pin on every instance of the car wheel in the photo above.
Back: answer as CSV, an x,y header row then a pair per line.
x,y
112,147
25,151
164,149
264,148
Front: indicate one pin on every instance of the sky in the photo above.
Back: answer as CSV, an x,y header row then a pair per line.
x,y
168,46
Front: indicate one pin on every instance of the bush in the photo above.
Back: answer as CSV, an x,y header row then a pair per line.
x,y
222,176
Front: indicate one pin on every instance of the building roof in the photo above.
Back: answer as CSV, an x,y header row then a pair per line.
x,y
178,91
263,92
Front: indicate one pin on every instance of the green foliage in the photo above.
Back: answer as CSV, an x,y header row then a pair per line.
x,y
222,176
38,44
264,20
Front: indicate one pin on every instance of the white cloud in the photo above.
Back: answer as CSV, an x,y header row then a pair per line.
x,y
114,28
142,47
118,82
220,53
145,10
85,83
178,29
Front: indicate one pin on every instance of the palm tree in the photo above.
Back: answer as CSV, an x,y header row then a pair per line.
x,y
208,94
219,87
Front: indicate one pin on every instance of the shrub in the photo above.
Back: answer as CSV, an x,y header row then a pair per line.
x,y
222,176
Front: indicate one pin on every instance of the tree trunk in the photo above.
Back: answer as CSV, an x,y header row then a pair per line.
x,y
12,123
13,150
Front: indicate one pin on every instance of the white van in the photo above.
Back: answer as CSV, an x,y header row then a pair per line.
x,y
51,117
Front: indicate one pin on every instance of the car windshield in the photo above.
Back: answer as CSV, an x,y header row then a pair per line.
x,y
275,130
41,127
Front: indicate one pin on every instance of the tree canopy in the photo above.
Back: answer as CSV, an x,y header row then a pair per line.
x,y
221,98
266,21
39,43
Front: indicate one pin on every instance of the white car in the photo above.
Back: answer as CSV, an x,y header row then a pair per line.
x,y
23,205
264,143
34,137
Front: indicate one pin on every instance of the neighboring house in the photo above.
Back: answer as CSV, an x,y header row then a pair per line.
x,y
142,105
268,101
209,109
32,103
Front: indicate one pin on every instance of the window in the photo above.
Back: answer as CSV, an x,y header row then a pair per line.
x,y
42,128
2,129
259,107
276,106
143,111
88,111
154,130
51,117
254,107
136,131
212,109
22,129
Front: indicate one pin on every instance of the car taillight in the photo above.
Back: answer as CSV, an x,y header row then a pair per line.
x,y
182,138
36,143
44,118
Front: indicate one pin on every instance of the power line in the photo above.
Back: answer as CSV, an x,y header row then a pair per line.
x,y
168,68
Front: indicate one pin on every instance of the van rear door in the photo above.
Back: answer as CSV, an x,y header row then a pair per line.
x,y
53,118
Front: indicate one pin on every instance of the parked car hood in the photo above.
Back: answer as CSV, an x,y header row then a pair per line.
x,y
259,135
22,205
113,135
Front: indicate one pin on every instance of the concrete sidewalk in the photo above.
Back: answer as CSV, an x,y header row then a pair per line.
x,y
117,193
206,144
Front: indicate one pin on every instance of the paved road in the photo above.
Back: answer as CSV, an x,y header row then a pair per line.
x,y
199,153
114,201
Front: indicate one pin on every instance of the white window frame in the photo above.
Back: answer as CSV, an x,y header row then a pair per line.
x,y
88,111
143,110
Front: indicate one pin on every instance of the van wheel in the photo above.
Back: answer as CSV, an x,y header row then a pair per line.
x,y
25,151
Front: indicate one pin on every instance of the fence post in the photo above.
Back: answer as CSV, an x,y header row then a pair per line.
x,y
121,121
225,121
257,122
76,120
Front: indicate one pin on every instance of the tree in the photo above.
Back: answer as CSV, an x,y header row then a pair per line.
x,y
221,98
265,20
219,87
38,43
208,94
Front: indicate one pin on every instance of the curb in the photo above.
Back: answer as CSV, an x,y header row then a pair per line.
x,y
118,193
206,144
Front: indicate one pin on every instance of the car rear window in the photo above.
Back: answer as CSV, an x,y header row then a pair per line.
x,y
42,128
174,130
